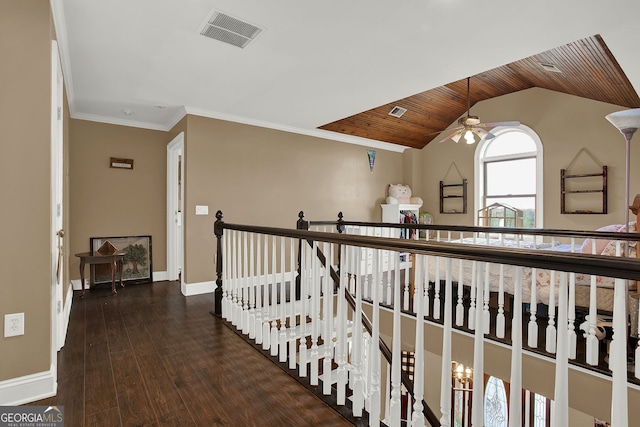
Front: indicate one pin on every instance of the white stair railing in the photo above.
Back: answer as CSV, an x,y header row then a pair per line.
x,y
259,298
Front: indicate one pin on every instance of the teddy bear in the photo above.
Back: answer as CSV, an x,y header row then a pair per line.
x,y
401,194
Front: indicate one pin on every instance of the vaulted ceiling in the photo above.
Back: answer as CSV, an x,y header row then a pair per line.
x,y
335,69
584,68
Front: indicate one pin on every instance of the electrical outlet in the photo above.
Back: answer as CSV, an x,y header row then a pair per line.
x,y
13,324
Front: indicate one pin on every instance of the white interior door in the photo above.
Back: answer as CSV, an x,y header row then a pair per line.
x,y
175,205
58,329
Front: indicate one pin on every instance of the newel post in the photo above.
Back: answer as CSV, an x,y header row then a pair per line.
x,y
217,294
301,224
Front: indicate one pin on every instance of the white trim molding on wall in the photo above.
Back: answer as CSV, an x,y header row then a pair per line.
x,y
30,388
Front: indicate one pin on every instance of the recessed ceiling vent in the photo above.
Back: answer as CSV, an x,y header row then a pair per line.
x,y
397,111
229,30
547,66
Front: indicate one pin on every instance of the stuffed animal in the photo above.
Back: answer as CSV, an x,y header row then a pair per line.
x,y
401,194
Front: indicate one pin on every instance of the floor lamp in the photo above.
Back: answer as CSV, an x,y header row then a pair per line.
x,y
627,122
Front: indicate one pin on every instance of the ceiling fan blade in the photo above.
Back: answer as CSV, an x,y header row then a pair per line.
x,y
455,136
480,132
494,124
483,133
440,131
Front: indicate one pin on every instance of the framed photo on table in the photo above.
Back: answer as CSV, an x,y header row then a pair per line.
x,y
137,265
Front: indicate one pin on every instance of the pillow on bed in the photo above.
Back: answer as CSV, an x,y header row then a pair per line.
x,y
610,249
601,244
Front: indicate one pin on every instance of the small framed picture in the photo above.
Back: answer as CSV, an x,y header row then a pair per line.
x,y
137,265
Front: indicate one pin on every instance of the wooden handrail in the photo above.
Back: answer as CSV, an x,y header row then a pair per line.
x,y
549,232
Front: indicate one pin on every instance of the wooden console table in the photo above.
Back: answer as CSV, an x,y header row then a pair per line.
x,y
115,260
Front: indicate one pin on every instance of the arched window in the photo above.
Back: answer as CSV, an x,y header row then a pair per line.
x,y
496,413
508,170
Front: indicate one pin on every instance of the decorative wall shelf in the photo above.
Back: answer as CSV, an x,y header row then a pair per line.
x,y
588,191
456,192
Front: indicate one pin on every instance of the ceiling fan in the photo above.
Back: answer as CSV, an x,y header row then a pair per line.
x,y
470,126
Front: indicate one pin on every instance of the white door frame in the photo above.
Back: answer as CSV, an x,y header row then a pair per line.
x,y
175,209
58,329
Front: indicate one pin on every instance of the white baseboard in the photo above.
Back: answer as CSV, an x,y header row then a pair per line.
x,y
158,276
189,289
29,388
66,314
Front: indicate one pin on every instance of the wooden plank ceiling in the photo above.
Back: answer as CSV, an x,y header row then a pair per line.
x,y
588,69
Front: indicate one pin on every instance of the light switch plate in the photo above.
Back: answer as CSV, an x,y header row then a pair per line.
x,y
202,210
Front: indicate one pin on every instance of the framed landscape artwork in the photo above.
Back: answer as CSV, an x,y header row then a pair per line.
x,y
136,267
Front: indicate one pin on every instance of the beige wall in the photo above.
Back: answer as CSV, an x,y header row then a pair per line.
x,y
565,124
25,109
265,177
116,202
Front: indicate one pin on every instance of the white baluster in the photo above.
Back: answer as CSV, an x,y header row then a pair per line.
x,y
356,358
618,353
251,282
571,314
266,337
561,394
314,265
237,306
485,307
374,390
550,346
592,318
500,316
225,276
327,306
427,300
571,317
460,303
244,320
395,403
477,405
406,294
234,268
304,300
282,307
292,306
515,393
473,294
390,263
436,291
445,378
417,417
274,299
532,333
258,290
341,336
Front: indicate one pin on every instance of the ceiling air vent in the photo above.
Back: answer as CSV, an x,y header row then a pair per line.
x,y
547,66
229,30
397,111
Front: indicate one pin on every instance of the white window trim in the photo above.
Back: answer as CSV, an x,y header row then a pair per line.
x,y
479,174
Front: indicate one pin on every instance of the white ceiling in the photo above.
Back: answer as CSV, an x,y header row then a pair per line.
x,y
315,62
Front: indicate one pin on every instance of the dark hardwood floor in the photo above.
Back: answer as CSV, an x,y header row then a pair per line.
x,y
150,356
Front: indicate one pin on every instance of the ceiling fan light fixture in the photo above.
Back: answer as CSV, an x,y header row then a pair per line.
x,y
469,138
